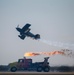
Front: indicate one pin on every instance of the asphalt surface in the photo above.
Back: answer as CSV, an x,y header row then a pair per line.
x,y
36,73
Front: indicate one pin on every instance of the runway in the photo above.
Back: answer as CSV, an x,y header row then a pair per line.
x,y
36,73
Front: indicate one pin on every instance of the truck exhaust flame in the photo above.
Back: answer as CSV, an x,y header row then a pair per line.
x,y
58,44
31,54
65,52
43,53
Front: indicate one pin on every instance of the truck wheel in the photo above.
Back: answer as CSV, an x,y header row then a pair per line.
x,y
13,69
46,69
39,69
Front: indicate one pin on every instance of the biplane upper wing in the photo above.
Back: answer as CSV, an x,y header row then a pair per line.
x,y
26,27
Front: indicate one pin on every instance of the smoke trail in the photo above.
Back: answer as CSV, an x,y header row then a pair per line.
x,y
58,44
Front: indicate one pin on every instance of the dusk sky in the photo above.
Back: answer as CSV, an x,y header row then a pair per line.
x,y
52,19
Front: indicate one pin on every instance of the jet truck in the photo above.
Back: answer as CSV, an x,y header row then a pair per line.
x,y
26,64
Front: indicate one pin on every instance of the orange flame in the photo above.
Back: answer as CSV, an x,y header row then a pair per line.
x,y
44,53
65,52
31,54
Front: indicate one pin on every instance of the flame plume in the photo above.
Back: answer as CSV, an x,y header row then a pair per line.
x,y
31,54
44,53
65,52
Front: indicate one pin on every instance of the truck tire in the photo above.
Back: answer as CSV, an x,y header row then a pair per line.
x,y
13,69
46,69
39,69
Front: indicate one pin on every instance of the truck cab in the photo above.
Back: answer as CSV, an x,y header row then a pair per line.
x,y
24,63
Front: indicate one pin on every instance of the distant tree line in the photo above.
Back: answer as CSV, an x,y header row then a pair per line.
x,y
4,67
62,68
